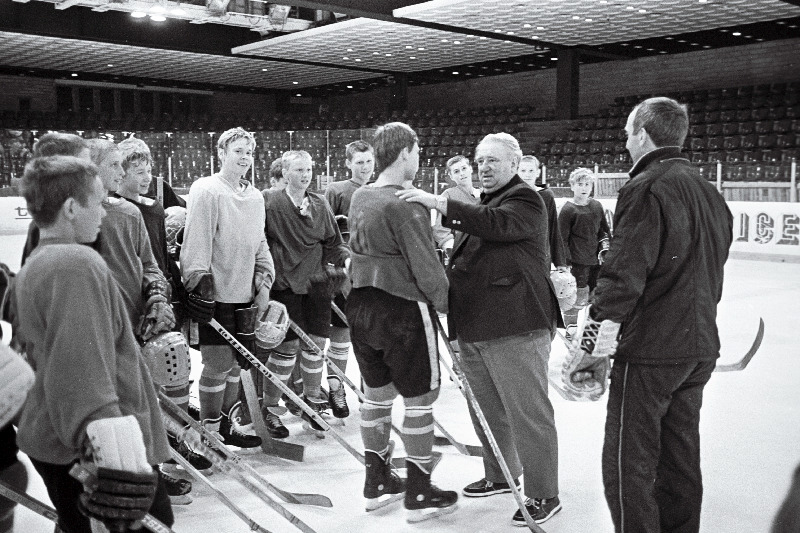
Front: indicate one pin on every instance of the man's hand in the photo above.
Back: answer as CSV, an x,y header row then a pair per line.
x,y
418,196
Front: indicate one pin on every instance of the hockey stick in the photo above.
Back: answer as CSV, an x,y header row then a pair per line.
x,y
22,498
489,436
284,388
744,361
90,480
464,449
270,446
235,460
193,438
252,524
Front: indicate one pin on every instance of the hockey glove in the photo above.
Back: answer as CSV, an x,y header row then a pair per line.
x,y
120,498
200,302
586,368
328,282
158,312
604,246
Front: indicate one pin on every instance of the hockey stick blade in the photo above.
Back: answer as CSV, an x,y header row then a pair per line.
x,y
289,497
744,361
270,446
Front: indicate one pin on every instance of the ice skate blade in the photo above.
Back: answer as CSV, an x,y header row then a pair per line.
x,y
317,433
183,499
419,515
383,500
175,470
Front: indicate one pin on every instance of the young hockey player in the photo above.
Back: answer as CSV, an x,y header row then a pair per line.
x,y
307,248
361,162
459,170
398,286
226,266
586,235
92,395
529,171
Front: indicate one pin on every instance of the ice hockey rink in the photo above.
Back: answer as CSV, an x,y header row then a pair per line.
x,y
749,427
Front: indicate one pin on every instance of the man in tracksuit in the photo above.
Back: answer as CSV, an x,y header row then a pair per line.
x,y
662,281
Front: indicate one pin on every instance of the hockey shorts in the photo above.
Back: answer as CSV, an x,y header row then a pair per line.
x,y
394,341
311,313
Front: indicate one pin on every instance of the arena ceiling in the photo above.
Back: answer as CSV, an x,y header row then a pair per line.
x,y
351,45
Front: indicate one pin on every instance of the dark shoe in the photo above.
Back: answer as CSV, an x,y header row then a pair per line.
x,y
194,411
338,402
318,406
541,510
275,427
232,436
484,487
194,458
177,489
424,500
381,485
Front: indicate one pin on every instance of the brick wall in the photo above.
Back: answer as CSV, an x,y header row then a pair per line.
x,y
41,91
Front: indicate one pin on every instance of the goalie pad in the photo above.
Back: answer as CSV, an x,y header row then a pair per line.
x,y
566,289
272,326
587,366
16,379
167,357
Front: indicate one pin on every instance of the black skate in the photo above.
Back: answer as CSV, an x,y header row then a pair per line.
x,y
338,402
381,486
318,406
423,500
275,427
194,458
177,489
232,435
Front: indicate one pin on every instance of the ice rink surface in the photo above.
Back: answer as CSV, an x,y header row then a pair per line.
x,y
749,430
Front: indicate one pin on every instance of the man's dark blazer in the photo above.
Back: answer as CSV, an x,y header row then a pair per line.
x,y
500,268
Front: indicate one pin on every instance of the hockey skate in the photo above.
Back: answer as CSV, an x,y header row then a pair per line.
x,y
423,500
338,402
308,423
381,485
232,435
194,458
177,489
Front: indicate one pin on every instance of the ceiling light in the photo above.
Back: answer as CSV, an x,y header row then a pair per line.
x,y
535,37
482,37
349,49
706,46
388,55
540,28
444,40
358,60
375,53
703,1
299,94
412,57
603,1
409,47
456,42
510,33
345,58
575,17
695,44
642,11
630,8
455,72
588,20
74,74
138,14
667,38
295,82
109,65
526,26
638,46
349,86
681,41
736,34
553,59
420,48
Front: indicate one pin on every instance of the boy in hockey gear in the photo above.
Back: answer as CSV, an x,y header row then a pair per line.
x,y
529,171
361,163
304,238
116,421
459,170
398,285
226,266
672,234
504,310
53,143
583,227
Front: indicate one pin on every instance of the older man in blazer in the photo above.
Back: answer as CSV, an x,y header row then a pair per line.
x,y
505,311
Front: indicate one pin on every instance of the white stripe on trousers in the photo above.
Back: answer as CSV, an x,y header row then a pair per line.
x,y
619,451
433,347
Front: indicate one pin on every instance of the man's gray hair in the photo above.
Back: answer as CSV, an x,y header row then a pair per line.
x,y
507,140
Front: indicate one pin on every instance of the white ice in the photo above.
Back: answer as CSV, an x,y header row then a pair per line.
x,y
750,435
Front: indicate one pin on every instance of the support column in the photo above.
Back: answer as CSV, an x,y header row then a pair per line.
x,y
567,84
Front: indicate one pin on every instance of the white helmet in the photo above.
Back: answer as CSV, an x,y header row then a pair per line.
x,y
167,357
272,326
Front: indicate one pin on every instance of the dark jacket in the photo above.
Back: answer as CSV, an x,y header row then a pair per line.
x,y
558,254
500,269
662,277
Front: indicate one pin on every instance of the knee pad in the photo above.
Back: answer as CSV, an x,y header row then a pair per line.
x,y
217,358
423,400
339,334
